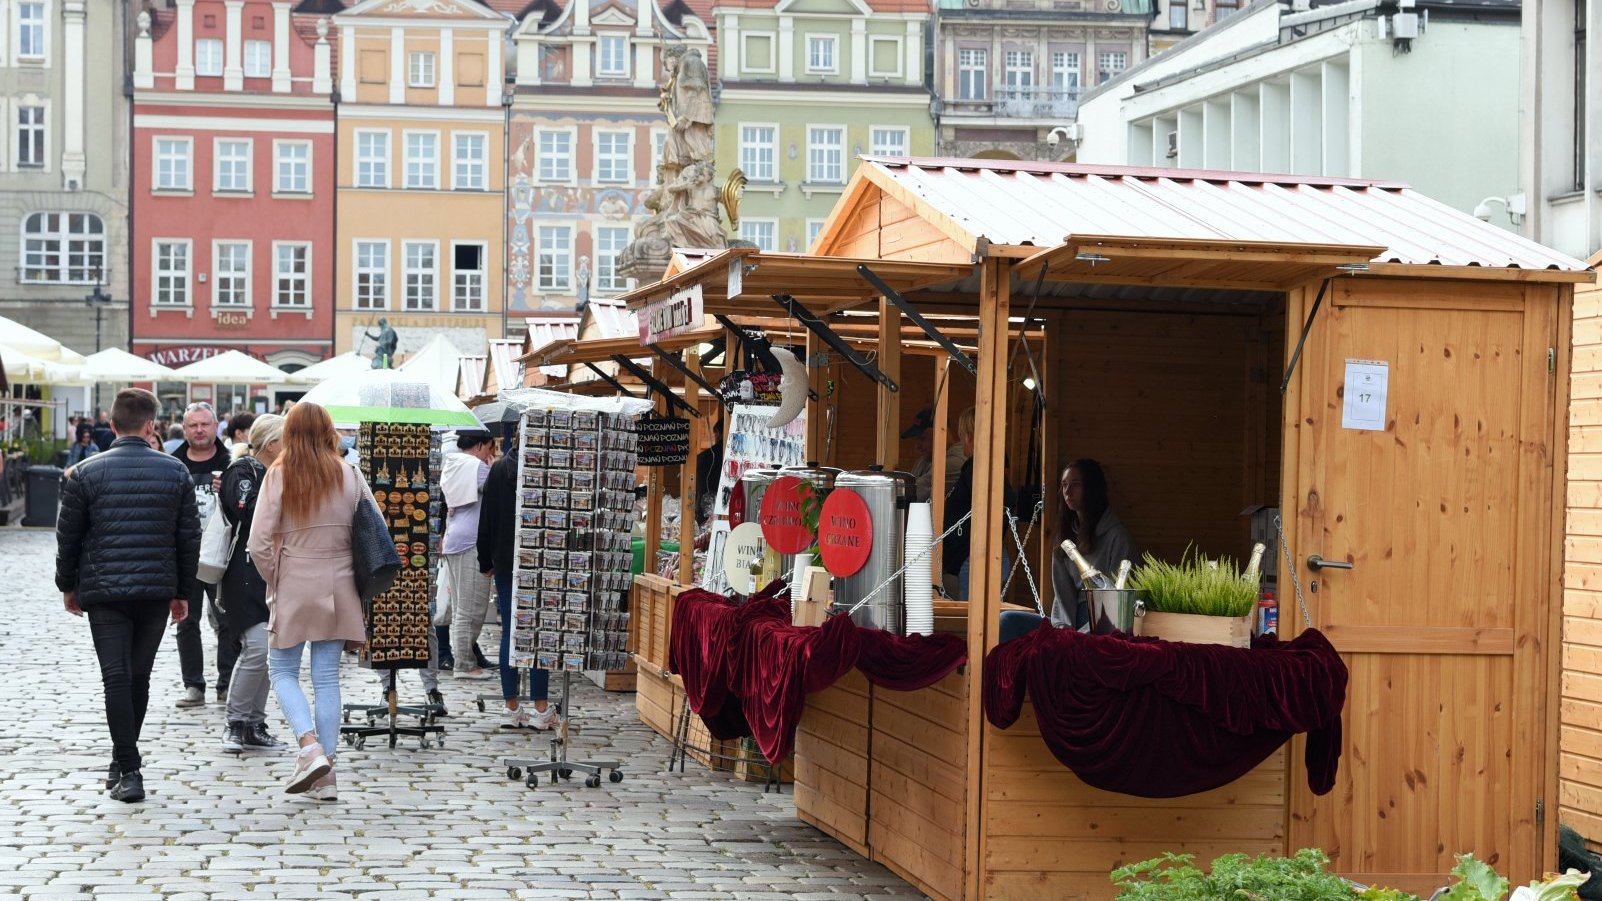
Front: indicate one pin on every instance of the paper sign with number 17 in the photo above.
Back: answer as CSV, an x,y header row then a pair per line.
x,y
1367,388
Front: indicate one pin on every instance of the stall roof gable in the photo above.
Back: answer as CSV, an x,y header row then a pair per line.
x,y
1015,208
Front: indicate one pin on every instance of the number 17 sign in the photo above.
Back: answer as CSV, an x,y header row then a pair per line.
x,y
1367,384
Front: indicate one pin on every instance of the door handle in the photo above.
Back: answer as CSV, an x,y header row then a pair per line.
x,y
1316,563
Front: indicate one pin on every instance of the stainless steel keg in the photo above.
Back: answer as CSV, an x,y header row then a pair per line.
x,y
887,495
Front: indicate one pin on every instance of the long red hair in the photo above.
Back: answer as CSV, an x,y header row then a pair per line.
x,y
309,460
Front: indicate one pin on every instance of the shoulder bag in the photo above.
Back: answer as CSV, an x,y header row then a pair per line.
x,y
216,546
373,555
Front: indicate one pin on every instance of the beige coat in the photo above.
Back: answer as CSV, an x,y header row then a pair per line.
x,y
311,582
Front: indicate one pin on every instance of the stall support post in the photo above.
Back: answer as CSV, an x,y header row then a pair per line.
x,y
817,404
1050,467
937,456
888,446
986,528
688,489
654,486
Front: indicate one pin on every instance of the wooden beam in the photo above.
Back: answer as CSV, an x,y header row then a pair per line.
x,y
937,454
688,483
655,485
888,433
1479,273
817,404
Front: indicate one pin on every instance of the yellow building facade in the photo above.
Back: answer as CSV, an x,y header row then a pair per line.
x,y
421,182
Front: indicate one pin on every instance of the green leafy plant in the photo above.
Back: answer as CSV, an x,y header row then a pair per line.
x,y
812,496
1476,881
1236,877
1195,585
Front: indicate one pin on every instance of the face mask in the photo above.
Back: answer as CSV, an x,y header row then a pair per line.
x,y
347,443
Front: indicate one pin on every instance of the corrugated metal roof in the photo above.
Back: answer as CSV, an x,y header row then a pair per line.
x,y
612,318
540,333
471,376
1010,202
503,354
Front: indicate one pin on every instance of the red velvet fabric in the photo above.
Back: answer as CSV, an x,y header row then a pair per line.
x,y
747,670
1163,719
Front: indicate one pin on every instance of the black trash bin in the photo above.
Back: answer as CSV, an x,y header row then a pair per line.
x,y
44,495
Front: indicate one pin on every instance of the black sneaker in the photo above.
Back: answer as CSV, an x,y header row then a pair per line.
x,y
129,789
438,700
113,776
259,739
234,737
483,662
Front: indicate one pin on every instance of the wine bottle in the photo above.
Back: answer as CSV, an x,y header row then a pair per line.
x,y
1123,575
1089,575
1255,564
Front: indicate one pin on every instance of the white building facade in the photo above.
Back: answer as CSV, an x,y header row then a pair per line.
x,y
1560,171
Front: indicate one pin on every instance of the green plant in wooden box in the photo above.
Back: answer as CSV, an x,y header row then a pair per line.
x,y
1196,586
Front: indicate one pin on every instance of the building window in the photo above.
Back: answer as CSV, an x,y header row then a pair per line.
x,y
1227,8
258,59
292,275
233,167
63,249
826,155
31,30
1065,73
173,164
821,53
372,275
1110,64
614,59
292,168
613,161
609,244
372,159
172,274
814,228
467,278
972,74
30,137
1178,15
230,274
420,276
208,56
422,159
658,144
556,156
420,73
761,232
888,141
758,152
468,171
1020,73
555,257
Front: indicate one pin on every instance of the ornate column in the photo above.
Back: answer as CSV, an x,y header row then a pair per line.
x,y
233,46
73,164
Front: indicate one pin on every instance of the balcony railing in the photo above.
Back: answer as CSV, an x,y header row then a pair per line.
x,y
1018,103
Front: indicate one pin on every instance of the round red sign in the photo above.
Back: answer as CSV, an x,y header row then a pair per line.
x,y
845,533
781,517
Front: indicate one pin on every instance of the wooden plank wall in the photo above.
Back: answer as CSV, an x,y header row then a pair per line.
x,y
918,784
831,761
1580,718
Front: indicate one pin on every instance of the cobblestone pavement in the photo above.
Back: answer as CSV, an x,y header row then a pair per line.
x,y
438,823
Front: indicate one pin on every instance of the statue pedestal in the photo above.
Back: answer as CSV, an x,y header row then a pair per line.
x,y
643,268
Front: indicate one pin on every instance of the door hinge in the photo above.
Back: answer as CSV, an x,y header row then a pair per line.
x,y
1551,360
1540,812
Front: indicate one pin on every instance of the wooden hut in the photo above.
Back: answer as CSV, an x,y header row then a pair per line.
x,y
1176,305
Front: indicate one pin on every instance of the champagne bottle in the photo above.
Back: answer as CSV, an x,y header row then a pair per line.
x,y
1089,575
1123,575
1255,564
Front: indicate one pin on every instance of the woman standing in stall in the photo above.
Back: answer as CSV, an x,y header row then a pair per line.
x,y
1086,518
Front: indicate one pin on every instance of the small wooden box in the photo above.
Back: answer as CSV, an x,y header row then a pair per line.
x,y
812,603
1197,629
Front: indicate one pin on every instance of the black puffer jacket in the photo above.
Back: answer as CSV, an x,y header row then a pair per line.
x,y
128,528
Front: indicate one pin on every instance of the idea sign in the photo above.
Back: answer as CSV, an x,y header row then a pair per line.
x,y
845,533
781,517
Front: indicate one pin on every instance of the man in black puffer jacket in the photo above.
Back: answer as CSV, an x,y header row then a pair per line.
x,y
127,544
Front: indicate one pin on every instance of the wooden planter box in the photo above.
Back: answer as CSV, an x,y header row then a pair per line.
x,y
1192,627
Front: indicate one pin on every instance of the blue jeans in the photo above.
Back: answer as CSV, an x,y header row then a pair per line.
x,y
539,681
283,666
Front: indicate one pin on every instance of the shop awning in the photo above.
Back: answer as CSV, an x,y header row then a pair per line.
x,y
575,351
1244,265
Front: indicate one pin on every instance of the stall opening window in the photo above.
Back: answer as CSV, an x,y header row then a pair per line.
x,y
292,168
208,56
821,53
609,244
555,257
420,276
888,142
233,167
30,137
372,275
1065,73
291,275
230,274
556,156
467,278
614,59
1111,64
173,164
764,233
613,158
826,155
171,274
372,159
258,59
973,68
63,249
422,160
469,160
758,151
421,70
31,30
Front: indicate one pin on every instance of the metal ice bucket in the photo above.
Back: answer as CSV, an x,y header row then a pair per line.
x,y
1113,611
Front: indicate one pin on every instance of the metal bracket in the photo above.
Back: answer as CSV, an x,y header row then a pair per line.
x,y
912,313
818,327
610,381
674,361
1307,328
650,382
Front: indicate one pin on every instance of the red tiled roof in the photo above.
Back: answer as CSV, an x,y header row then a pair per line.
x,y
305,26
513,8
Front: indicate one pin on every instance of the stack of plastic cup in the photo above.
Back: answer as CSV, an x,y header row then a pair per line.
x,y
918,580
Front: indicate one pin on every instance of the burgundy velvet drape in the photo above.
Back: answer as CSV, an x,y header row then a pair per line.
x,y
747,670
1162,719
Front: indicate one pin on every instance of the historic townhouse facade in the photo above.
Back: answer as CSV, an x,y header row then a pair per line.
x,y
585,135
64,170
233,174
807,87
421,176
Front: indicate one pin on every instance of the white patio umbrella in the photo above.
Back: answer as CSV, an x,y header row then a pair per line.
x,y
231,368
36,344
117,365
388,395
347,364
438,363
20,367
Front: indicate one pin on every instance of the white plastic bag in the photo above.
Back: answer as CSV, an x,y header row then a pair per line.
x,y
444,596
216,547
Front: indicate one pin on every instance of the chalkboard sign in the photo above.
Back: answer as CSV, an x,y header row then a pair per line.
x,y
664,442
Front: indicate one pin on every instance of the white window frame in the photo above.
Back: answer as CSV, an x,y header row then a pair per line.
x,y
617,282
658,147
483,277
421,63
265,50
42,127
1103,55
874,133
433,164
431,273
612,178
458,183
387,160
572,156
980,70
1077,70
818,40
208,72
814,228
773,53
772,148
217,275
357,270
305,163
305,277
601,42
1022,71
811,177
566,271
186,274
43,25
899,56
217,185
771,224
156,158
62,237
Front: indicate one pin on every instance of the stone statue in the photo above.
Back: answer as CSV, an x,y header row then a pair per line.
x,y
384,345
687,98
583,279
695,223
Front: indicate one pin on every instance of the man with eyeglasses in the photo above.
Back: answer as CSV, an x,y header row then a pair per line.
x,y
205,461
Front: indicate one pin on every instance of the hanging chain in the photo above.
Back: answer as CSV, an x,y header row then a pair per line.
x,y
897,574
1290,567
1023,555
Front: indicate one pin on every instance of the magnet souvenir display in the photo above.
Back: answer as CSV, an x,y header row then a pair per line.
x,y
401,462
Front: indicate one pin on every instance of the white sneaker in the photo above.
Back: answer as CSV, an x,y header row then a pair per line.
x,y
514,719
471,674
324,789
544,719
310,766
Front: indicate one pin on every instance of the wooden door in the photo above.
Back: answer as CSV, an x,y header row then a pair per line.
x,y
1446,517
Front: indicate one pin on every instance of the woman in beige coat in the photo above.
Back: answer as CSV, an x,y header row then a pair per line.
x,y
301,544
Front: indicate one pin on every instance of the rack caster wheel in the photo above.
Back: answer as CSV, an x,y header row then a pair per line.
x,y
533,780
592,782
346,716
514,773
614,776
565,773
361,742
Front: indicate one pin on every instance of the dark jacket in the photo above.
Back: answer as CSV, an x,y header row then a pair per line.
x,y
244,591
958,503
497,517
128,528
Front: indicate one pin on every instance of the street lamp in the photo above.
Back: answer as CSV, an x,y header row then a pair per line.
x,y
99,300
